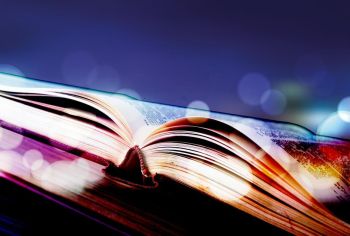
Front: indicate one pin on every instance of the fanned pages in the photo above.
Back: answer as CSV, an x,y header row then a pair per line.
x,y
278,172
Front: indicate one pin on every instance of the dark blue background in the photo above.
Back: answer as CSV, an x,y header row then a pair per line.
x,y
179,51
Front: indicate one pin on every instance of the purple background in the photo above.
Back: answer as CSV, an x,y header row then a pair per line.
x,y
179,51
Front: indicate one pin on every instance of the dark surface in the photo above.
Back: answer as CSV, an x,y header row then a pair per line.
x,y
23,212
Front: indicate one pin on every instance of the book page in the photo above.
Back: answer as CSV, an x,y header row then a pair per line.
x,y
143,117
320,164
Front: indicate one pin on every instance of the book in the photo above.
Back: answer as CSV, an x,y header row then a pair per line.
x,y
44,199
278,172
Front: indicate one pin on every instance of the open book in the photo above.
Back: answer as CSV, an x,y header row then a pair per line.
x,y
278,172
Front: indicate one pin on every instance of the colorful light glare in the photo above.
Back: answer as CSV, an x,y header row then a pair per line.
x,y
197,108
273,102
9,140
344,109
251,87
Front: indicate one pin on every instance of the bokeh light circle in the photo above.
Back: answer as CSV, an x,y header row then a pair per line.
x,y
8,159
10,69
11,162
33,159
273,102
344,109
39,172
103,77
9,140
63,176
196,109
130,92
251,87
334,126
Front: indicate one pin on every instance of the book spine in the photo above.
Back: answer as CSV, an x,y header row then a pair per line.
x,y
132,169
